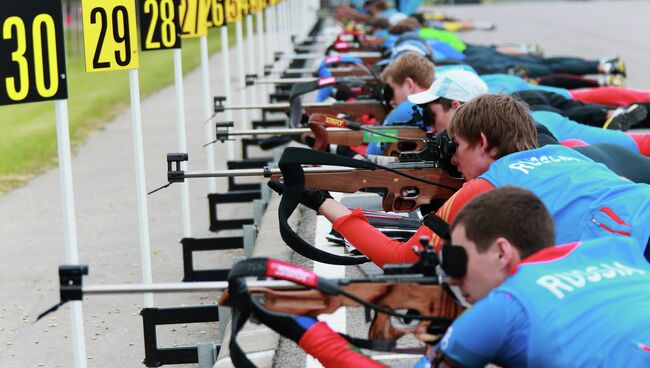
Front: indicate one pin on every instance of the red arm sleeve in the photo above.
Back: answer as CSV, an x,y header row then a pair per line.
x,y
382,249
332,350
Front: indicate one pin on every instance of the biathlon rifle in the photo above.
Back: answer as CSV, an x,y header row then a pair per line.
x,y
398,138
417,178
414,179
418,288
328,129
295,107
353,110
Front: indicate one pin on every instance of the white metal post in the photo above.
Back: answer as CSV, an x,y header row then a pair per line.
x,y
270,42
250,43
261,54
271,32
225,53
241,72
207,112
287,31
279,34
69,224
138,151
294,19
182,139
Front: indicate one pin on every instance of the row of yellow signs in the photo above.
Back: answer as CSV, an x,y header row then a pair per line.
x,y
109,26
32,60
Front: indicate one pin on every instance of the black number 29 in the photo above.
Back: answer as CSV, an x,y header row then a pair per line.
x,y
123,37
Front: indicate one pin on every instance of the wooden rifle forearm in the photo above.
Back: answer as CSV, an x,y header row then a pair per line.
x,y
350,72
324,136
426,299
404,194
353,109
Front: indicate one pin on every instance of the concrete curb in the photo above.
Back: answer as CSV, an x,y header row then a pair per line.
x,y
258,341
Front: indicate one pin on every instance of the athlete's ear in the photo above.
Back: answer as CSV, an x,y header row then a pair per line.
x,y
506,252
410,83
487,148
455,104
485,144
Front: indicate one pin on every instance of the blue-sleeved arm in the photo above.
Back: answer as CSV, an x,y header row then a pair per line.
x,y
495,330
564,128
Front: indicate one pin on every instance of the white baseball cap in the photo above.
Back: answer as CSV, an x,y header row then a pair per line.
x,y
455,85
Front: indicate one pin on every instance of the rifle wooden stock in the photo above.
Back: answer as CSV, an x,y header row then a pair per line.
x,y
404,194
427,300
348,72
354,109
324,136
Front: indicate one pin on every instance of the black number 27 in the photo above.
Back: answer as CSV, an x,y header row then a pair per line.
x,y
123,38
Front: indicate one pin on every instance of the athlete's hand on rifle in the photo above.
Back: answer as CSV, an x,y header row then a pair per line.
x,y
312,198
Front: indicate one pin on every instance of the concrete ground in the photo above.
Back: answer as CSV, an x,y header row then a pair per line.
x,y
30,217
108,238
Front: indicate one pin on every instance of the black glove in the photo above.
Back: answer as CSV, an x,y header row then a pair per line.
x,y
346,151
312,198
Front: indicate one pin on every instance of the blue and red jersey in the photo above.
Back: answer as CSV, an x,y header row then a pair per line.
x,y
575,305
585,198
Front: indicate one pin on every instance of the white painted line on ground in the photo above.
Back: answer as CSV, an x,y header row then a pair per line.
x,y
337,319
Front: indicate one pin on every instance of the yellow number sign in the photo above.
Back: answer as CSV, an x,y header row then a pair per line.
x,y
32,59
193,18
110,35
233,11
159,24
216,13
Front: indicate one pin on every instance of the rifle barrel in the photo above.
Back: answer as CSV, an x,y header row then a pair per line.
x,y
286,80
295,71
357,54
266,172
275,106
180,287
287,131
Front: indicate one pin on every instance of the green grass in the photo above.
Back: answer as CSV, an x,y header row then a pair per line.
x,y
28,131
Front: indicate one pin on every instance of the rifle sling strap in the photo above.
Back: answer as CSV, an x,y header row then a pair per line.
x,y
437,225
294,185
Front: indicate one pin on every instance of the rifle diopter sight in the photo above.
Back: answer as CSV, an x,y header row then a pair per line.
x,y
425,266
439,150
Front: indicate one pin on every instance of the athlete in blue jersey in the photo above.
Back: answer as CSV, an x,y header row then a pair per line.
x,y
538,305
598,202
534,304
496,142
409,73
443,105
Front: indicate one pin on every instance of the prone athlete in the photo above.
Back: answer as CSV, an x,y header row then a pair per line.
x,y
497,146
